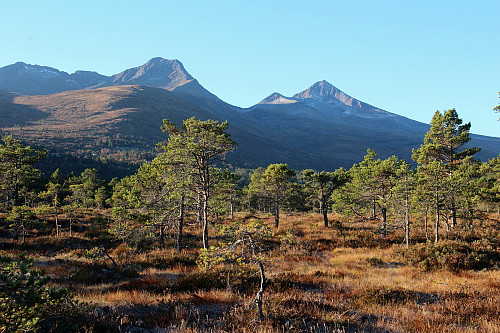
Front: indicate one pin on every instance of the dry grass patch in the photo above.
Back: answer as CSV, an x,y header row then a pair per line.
x,y
123,297
317,283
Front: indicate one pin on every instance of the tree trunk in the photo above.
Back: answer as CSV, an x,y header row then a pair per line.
x,y
258,298
199,209
384,220
276,214
23,226
453,213
231,207
425,223
70,226
110,258
436,226
162,234
180,224
205,220
57,223
263,282
324,211
16,193
374,211
407,221
470,217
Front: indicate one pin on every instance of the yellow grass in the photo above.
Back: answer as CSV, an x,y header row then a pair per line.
x,y
313,286
123,297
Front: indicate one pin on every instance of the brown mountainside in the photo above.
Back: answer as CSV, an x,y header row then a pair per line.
x,y
112,117
107,123
118,118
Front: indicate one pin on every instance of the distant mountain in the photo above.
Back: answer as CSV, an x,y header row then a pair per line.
x,y
28,79
323,95
114,120
333,126
165,74
88,113
41,80
157,72
277,98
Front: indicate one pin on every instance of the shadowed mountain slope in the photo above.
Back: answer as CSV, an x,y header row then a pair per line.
x,y
326,122
116,118
321,127
110,116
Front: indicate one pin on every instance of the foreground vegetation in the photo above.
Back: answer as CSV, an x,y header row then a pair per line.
x,y
318,281
184,245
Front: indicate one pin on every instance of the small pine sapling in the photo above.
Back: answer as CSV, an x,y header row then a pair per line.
x,y
241,247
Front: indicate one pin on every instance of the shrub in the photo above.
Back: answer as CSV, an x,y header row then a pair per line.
x,y
374,262
453,255
25,297
290,237
383,296
21,218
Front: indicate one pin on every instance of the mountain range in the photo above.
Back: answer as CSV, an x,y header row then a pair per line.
x,y
89,113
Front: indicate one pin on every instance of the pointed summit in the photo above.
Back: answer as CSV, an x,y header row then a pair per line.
x,y
328,100
277,98
157,72
323,90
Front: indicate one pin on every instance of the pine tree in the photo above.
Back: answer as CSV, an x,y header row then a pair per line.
x,y
84,187
371,187
17,168
225,191
274,183
469,175
52,195
164,188
323,184
404,192
21,218
487,183
444,140
197,146
439,157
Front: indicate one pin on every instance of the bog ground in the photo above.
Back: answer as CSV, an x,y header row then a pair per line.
x,y
318,280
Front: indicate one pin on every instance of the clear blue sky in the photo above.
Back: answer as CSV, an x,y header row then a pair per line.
x,y
407,57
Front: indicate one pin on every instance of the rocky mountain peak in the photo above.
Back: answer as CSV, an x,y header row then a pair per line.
x,y
326,92
158,72
26,69
321,89
41,80
277,98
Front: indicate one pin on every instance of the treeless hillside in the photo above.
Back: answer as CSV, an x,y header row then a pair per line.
x,y
109,121
109,117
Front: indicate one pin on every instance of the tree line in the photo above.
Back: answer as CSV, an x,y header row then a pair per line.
x,y
448,189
